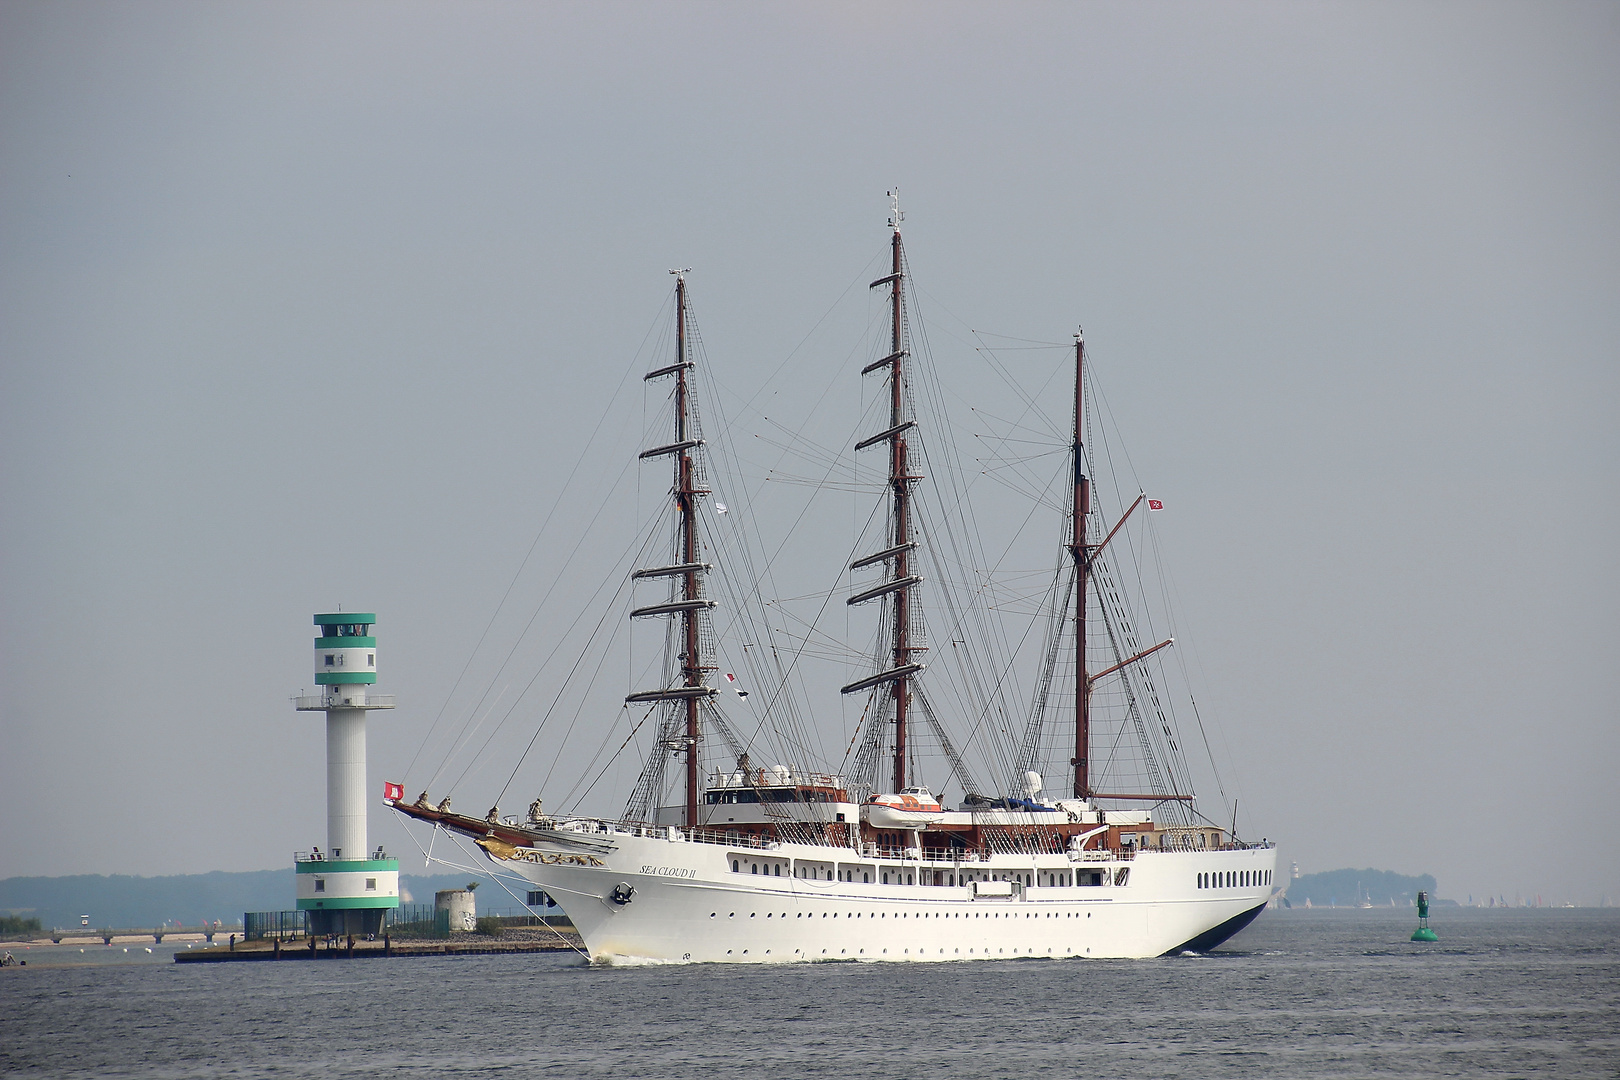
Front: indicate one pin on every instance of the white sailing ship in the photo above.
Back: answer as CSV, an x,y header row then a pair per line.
x,y
783,864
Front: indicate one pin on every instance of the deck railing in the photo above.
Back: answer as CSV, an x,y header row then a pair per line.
x,y
997,841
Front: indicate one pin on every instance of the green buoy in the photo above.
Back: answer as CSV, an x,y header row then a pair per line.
x,y
1423,933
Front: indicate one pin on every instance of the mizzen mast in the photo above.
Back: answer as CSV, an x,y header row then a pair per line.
x,y
901,545
689,566
1082,560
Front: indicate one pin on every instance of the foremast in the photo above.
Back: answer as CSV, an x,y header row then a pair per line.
x,y
689,567
902,665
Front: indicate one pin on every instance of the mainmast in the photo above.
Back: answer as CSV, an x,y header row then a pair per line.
x,y
688,567
1077,547
900,485
898,676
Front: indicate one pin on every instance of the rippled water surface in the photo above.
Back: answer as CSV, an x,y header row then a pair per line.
x,y
1299,994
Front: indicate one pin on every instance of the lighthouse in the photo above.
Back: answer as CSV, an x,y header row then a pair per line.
x,y
347,887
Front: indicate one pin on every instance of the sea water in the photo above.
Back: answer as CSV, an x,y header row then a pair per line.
x,y
1343,993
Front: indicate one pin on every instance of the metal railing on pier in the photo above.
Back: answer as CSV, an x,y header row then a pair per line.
x,y
283,925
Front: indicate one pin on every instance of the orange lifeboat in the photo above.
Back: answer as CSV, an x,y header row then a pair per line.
x,y
913,808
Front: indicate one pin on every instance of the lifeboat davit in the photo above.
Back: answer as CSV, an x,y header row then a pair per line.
x,y
913,808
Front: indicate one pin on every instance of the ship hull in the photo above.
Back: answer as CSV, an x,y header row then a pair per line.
x,y
681,901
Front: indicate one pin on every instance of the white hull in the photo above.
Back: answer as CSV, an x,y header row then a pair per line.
x,y
690,906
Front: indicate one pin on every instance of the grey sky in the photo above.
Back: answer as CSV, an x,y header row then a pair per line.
x,y
305,305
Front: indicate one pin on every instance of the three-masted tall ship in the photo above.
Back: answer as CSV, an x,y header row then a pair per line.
x,y
779,863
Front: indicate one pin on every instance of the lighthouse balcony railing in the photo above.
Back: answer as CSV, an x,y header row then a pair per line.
x,y
375,855
321,702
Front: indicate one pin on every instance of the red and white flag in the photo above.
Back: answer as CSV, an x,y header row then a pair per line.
x,y
732,679
1155,504
393,792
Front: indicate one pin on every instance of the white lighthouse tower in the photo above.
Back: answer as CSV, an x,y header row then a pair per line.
x,y
346,888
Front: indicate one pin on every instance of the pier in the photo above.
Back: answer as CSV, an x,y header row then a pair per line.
x,y
275,949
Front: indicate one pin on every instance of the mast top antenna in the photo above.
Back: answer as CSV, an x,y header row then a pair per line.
x,y
895,216
682,272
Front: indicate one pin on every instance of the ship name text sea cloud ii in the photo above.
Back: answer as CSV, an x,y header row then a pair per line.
x,y
937,835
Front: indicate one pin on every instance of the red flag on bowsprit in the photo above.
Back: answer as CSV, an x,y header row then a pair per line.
x,y
1155,504
393,792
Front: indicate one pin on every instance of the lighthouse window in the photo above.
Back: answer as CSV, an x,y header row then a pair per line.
x,y
320,884
371,659
371,884
330,660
